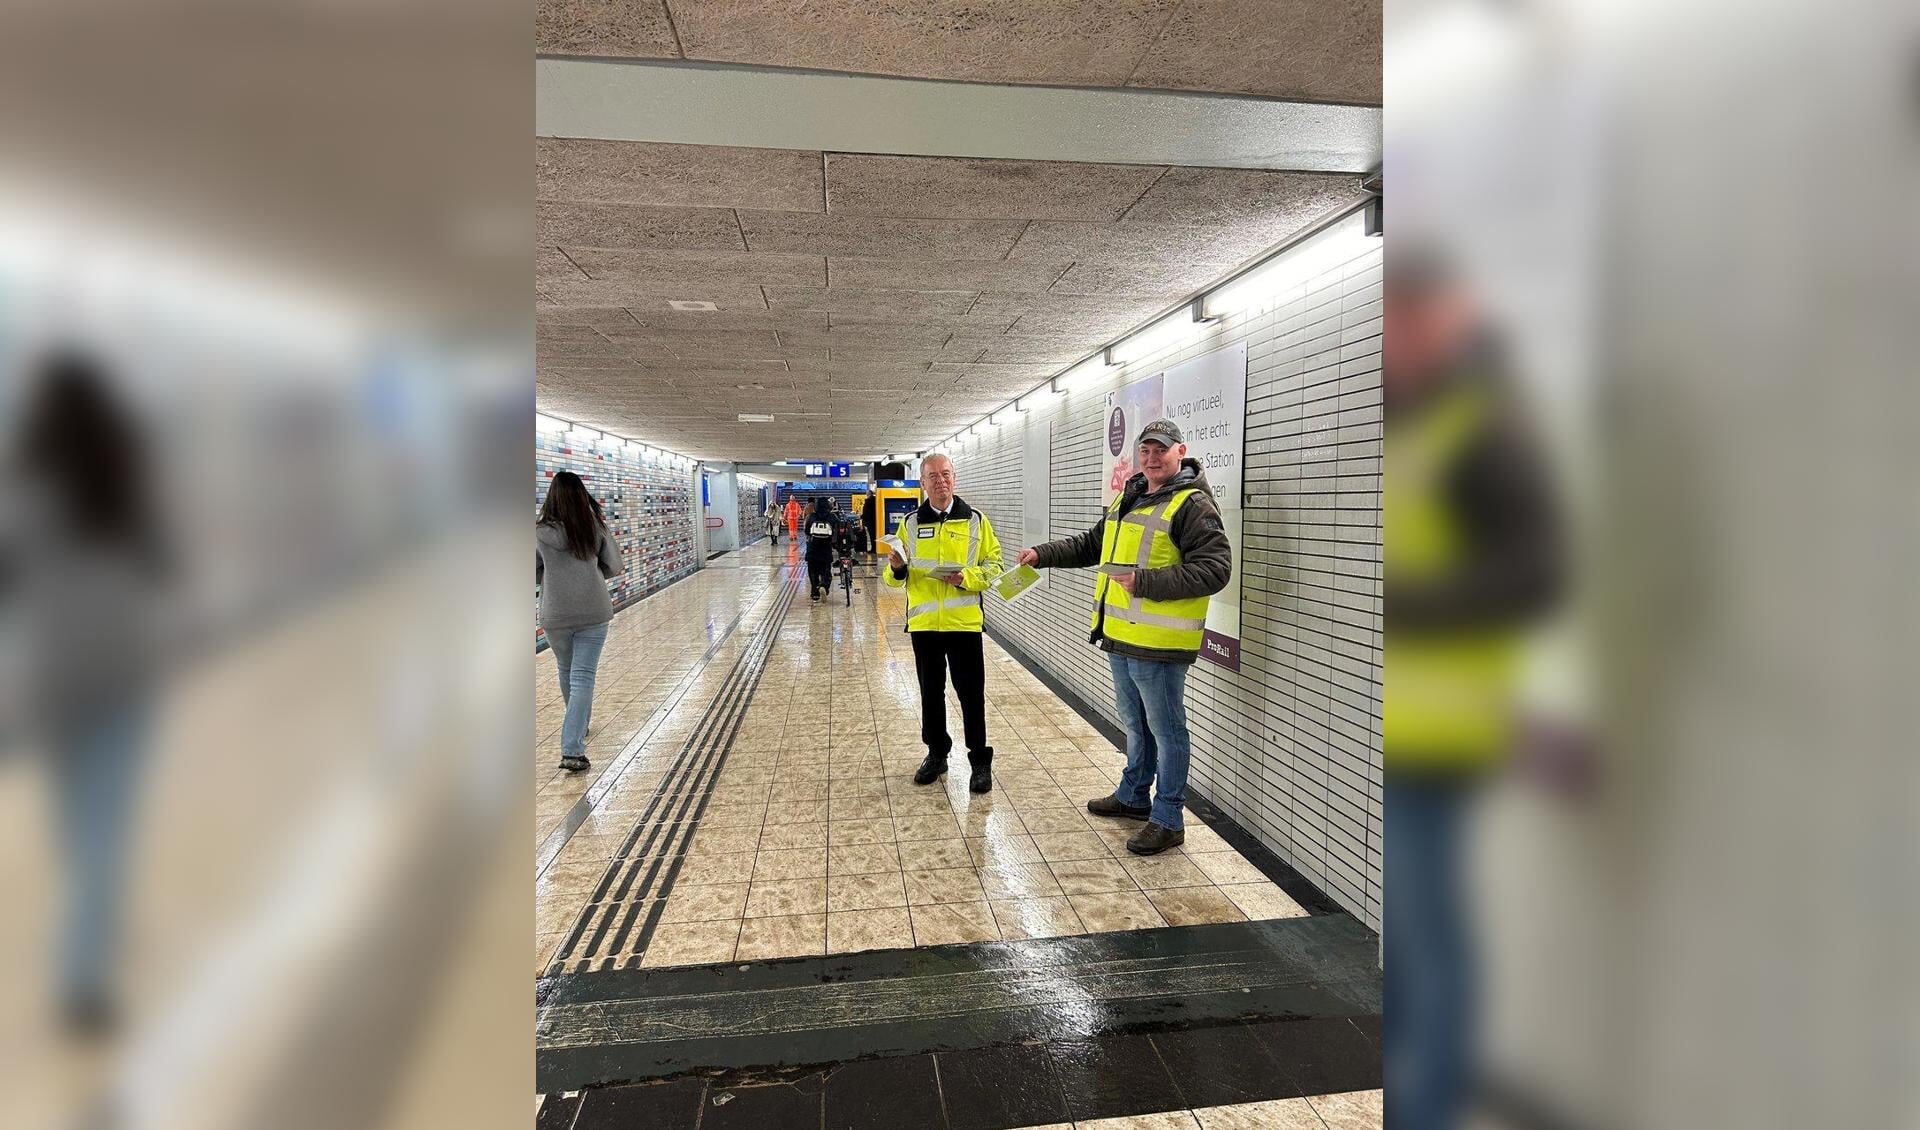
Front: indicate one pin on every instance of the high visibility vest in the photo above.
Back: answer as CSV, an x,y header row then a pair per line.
x,y
968,547
1447,698
1144,540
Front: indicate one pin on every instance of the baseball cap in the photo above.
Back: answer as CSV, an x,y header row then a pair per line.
x,y
1165,432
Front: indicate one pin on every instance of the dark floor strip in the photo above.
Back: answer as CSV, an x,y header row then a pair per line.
x,y
1019,1085
1298,887
626,1025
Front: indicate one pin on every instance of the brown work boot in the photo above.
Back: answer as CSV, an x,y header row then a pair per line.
x,y
1108,806
1154,839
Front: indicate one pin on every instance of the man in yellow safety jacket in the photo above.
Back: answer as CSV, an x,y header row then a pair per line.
x,y
947,557
1149,618
1472,555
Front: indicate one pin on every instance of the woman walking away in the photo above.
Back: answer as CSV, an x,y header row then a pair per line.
x,y
87,579
573,558
821,536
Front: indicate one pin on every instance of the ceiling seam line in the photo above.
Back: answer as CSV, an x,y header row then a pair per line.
x,y
1157,37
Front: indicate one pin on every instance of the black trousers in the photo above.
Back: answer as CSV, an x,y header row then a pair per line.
x,y
933,654
820,573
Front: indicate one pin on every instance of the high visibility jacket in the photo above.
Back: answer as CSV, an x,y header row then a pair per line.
x,y
1447,697
963,543
793,514
1143,539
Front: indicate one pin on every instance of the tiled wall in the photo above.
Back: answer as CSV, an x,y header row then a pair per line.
x,y
1289,746
753,523
650,509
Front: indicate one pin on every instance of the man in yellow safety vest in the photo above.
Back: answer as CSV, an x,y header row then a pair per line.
x,y
946,558
1163,552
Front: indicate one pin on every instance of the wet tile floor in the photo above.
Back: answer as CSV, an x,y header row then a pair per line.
x,y
813,838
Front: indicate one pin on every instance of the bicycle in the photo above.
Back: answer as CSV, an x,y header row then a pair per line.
x,y
846,576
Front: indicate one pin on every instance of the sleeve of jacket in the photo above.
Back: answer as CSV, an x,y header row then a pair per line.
x,y
891,575
539,566
1077,552
1206,557
987,567
612,564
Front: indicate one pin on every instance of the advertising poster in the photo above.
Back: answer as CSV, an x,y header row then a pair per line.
x,y
1129,408
1207,397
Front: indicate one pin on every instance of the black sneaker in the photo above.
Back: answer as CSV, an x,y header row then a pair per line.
x,y
576,763
1108,806
931,770
981,781
1154,839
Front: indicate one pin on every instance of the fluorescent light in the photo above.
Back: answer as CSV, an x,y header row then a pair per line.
x,y
545,423
1291,269
1082,375
1173,330
755,418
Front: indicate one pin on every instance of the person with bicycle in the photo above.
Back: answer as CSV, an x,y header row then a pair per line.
x,y
823,534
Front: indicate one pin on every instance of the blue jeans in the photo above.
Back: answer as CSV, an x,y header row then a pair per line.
x,y
96,772
1152,697
576,654
1430,990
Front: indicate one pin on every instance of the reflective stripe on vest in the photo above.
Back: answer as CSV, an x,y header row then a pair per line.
x,y
1143,539
1446,699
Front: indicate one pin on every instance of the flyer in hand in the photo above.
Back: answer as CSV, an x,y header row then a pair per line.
x,y
1015,581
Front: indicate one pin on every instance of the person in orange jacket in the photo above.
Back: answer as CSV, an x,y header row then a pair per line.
x,y
793,518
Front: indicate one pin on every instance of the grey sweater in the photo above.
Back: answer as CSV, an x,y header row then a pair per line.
x,y
573,593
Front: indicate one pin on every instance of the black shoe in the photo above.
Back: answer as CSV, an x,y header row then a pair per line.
x,y
931,770
1154,839
576,763
981,781
1108,806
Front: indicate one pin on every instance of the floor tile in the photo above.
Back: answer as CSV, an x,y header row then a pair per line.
x,y
1166,1120
1092,876
994,1087
787,896
853,859
1017,848
736,867
795,811
1262,900
705,903
1069,846
798,863
935,854
1194,906
793,837
1036,917
692,943
947,923
1219,1065
1323,1055
910,828
865,890
938,885
557,1112
844,832
1164,870
883,1094
1019,881
797,935
853,930
1352,1110
1116,911
1113,1076
675,1102
1228,867
797,1104
1274,1114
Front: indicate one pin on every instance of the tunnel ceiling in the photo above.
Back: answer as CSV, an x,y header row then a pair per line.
x,y
868,303
1310,50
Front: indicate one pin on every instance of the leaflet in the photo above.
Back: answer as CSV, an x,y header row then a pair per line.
x,y
1114,569
1016,581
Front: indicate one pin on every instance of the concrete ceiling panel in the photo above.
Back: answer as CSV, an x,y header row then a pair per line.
x,y
1310,50
633,29
1013,276
1265,200
882,237
959,187
665,271
636,226
583,170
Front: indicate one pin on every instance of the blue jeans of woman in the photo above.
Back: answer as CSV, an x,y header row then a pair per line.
x,y
97,773
576,654
1152,697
